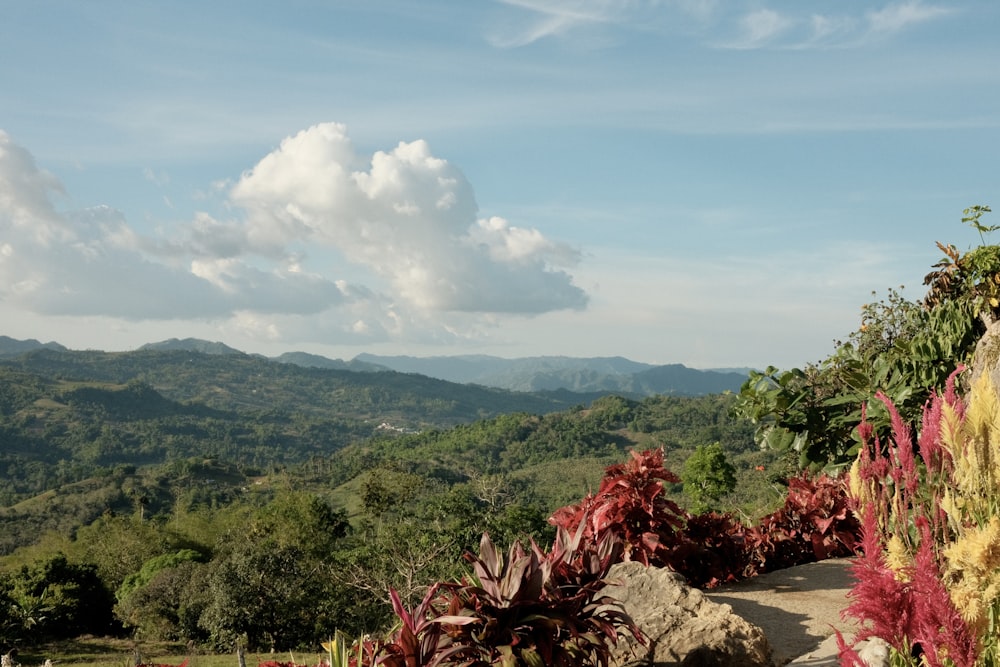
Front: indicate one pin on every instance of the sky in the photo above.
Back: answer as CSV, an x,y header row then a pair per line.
x,y
713,183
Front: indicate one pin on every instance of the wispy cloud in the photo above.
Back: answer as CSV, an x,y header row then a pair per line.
x,y
896,17
767,28
731,26
760,27
554,17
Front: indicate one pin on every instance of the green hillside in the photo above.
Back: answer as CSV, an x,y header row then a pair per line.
x,y
241,381
346,482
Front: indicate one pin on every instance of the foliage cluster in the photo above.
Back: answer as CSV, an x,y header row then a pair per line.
x,y
710,548
904,350
928,582
535,607
708,475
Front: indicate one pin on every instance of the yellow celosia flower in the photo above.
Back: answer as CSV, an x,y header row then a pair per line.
x,y
968,601
977,465
952,508
976,549
854,484
972,566
897,557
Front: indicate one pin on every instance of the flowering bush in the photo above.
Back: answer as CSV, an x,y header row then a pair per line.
x,y
928,582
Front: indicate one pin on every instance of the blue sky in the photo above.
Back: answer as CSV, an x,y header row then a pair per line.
x,y
717,183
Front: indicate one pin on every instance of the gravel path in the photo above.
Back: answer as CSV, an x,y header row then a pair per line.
x,y
797,609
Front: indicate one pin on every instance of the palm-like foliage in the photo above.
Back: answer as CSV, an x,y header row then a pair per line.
x,y
541,608
530,608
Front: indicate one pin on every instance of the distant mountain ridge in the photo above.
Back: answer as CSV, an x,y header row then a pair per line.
x,y
191,345
13,347
578,374
526,374
308,360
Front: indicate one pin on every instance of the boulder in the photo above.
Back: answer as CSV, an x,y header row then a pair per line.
x,y
682,626
986,358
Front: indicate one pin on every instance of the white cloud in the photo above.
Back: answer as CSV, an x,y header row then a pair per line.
x,y
761,26
25,197
767,28
829,30
559,18
158,178
320,241
410,218
554,17
900,16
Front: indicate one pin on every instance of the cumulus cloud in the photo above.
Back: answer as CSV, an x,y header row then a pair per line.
x,y
407,216
319,239
25,196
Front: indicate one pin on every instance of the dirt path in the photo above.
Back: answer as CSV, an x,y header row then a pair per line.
x,y
797,608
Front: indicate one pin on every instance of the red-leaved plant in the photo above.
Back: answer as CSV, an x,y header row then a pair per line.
x,y
540,608
631,506
815,523
532,608
536,607
710,549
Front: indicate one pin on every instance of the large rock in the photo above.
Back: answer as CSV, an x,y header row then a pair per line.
x,y
682,625
986,358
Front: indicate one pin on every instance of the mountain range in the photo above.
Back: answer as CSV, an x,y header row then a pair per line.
x,y
591,374
527,374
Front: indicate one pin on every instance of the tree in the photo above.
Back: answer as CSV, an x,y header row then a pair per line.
x,y
707,477
135,606
168,606
59,599
905,350
118,546
261,593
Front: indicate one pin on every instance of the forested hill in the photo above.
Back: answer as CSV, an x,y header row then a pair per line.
x,y
247,382
70,418
83,433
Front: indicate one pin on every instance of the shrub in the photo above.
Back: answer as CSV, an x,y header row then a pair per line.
x,y
902,349
707,477
814,524
630,505
710,549
533,607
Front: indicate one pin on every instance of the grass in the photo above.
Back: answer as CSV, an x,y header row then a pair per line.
x,y
111,652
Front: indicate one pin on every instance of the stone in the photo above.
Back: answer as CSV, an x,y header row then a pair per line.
x,y
683,627
986,358
875,653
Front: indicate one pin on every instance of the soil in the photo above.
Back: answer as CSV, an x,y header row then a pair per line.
x,y
797,608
